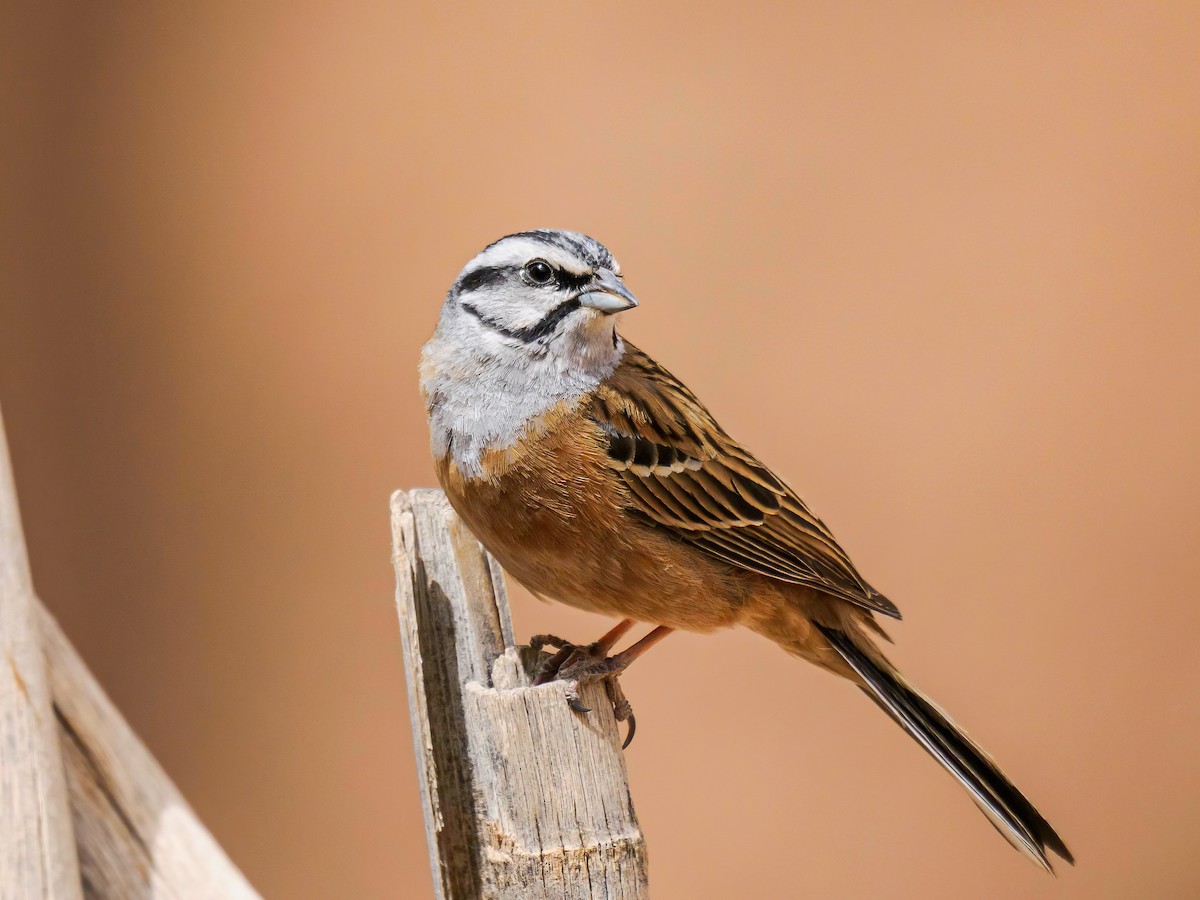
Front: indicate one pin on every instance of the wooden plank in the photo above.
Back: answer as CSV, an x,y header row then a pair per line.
x,y
37,846
523,798
137,836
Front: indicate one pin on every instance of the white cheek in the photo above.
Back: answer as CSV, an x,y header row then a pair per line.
x,y
512,307
493,345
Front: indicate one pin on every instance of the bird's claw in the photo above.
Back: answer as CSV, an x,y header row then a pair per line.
x,y
579,665
622,710
632,730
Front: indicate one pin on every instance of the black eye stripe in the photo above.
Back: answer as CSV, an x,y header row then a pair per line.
x,y
573,282
491,276
488,276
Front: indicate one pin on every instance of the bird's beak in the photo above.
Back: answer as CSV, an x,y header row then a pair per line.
x,y
606,294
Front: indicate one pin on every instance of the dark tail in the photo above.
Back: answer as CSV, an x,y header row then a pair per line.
x,y
1005,806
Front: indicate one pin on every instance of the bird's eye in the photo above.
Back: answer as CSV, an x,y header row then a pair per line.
x,y
539,272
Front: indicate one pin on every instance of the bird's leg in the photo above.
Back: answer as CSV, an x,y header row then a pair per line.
x,y
585,670
566,650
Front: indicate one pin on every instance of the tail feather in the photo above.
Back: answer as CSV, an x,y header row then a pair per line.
x,y
1005,806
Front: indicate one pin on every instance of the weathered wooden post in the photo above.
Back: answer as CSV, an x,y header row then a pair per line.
x,y
37,847
85,810
523,798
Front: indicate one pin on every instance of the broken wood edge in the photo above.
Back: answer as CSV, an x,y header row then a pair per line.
x,y
522,797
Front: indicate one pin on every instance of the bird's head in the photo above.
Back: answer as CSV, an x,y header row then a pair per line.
x,y
542,294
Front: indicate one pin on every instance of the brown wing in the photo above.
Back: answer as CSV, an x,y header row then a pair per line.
x,y
687,476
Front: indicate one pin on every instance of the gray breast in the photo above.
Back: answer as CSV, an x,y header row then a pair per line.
x,y
486,403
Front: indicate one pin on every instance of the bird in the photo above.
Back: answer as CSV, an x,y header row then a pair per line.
x,y
598,479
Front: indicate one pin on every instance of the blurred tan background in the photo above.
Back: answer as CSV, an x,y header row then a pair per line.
x,y
938,263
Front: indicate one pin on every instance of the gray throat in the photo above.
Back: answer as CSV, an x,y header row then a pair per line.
x,y
481,392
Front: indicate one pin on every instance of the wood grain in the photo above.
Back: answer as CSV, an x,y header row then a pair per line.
x,y
523,798
37,848
137,836
85,810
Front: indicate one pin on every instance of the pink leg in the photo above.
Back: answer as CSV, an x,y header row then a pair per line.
x,y
625,657
610,639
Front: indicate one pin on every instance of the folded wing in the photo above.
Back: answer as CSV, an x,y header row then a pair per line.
x,y
688,477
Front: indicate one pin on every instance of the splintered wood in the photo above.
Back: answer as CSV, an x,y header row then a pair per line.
x,y
523,798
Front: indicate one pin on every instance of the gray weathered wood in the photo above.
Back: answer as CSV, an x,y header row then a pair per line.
x,y
85,811
137,836
37,848
523,798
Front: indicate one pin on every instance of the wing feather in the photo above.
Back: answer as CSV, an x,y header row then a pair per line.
x,y
686,475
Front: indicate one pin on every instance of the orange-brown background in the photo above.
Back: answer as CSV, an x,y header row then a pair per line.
x,y
939,263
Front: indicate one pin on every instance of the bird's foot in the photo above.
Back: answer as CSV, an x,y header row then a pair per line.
x,y
583,664
565,652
